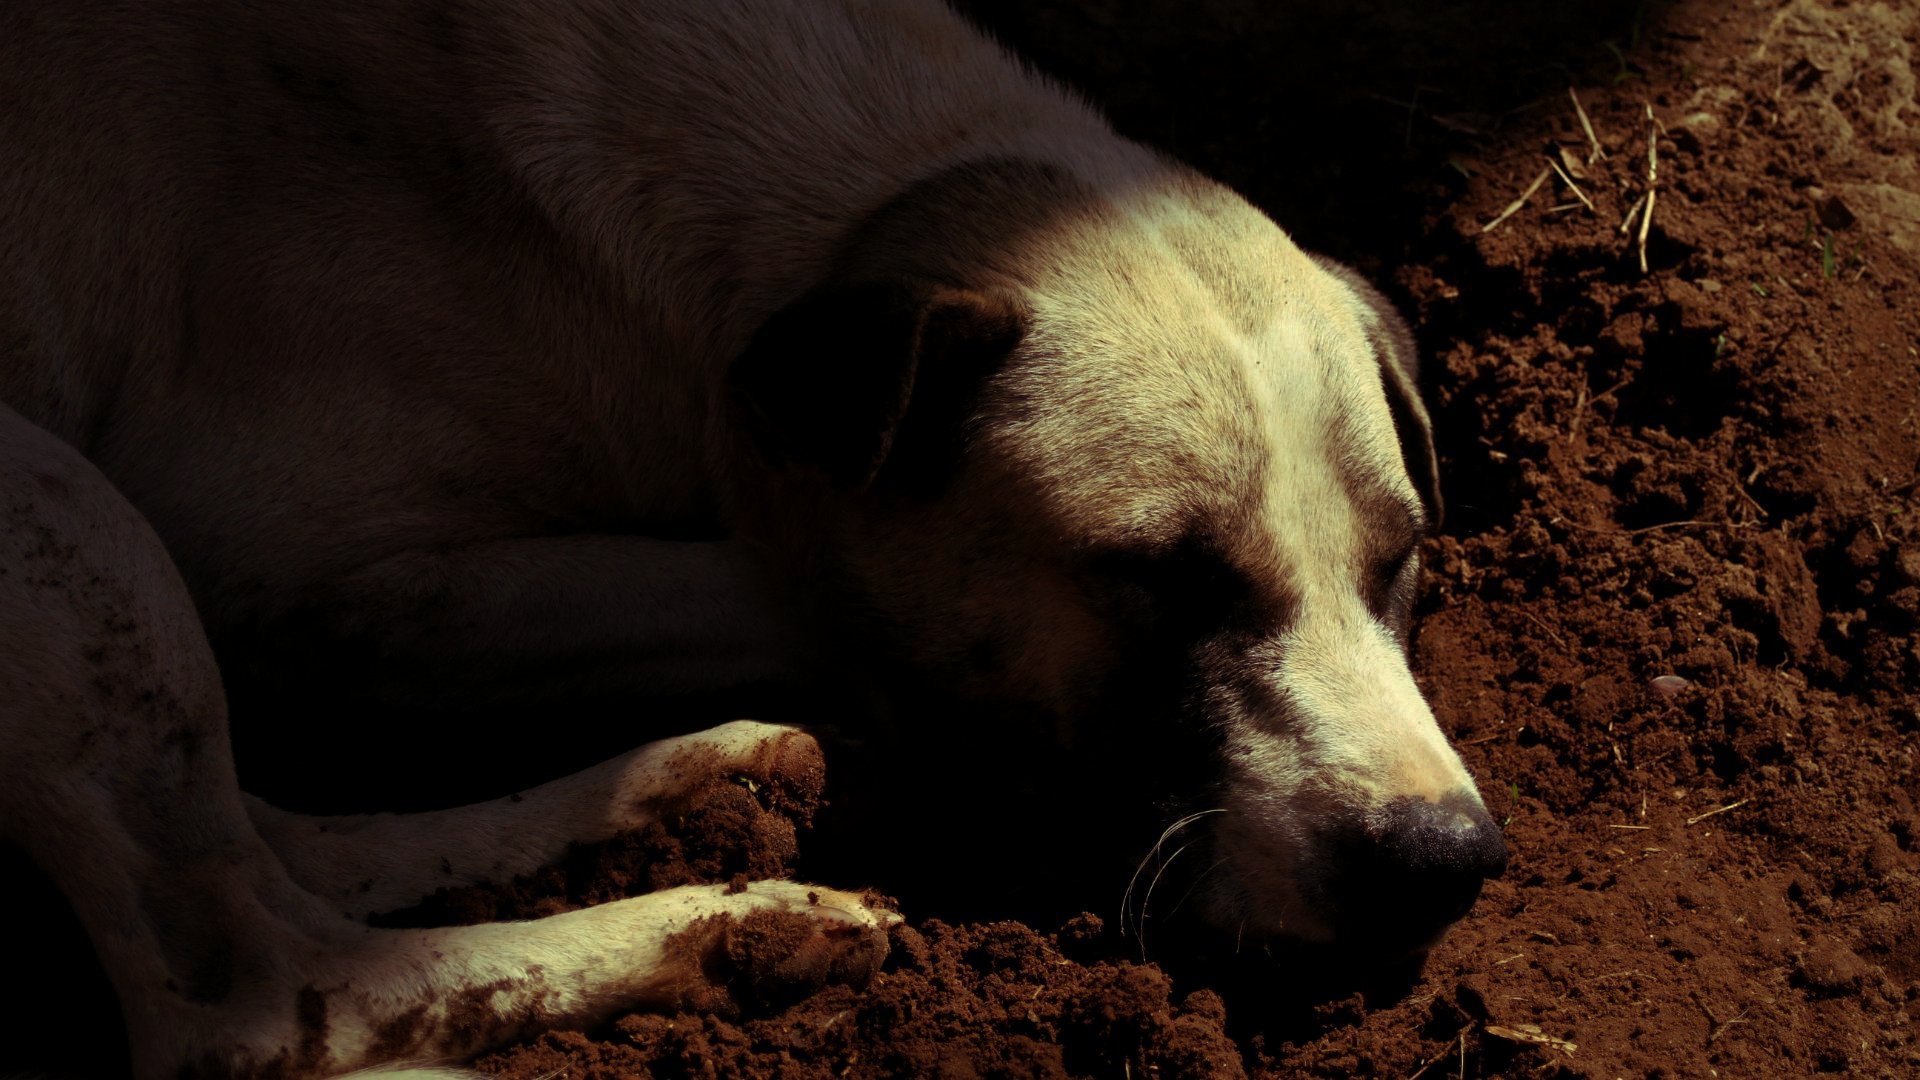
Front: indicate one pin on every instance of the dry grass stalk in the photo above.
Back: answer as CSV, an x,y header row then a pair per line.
x,y
1698,818
1571,186
1646,223
1586,125
1653,182
1514,206
1633,211
1531,1033
1653,148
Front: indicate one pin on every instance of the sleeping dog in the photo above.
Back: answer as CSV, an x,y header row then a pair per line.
x,y
399,334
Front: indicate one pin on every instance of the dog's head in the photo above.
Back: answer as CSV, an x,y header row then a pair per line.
x,y
1065,444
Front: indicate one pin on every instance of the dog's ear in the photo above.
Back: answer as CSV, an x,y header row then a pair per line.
x,y
1393,345
872,382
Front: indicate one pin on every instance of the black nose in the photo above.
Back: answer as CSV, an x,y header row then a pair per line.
x,y
1397,882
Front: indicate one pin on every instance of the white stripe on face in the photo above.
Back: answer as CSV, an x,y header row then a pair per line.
x,y
1338,670
1338,732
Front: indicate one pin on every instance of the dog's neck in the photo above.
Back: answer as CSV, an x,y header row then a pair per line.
x,y
715,226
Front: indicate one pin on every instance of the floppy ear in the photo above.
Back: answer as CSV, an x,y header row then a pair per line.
x,y
856,380
1393,345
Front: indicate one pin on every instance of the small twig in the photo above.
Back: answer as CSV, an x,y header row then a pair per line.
x,y
1536,620
1514,207
1629,826
1646,222
1571,186
1531,1033
1653,182
1580,404
1653,528
1653,147
1721,1028
1610,391
1481,739
1586,125
1715,1025
1444,1051
1633,211
1579,410
1751,501
1689,525
1697,818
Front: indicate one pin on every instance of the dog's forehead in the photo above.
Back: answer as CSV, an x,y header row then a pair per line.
x,y
1198,371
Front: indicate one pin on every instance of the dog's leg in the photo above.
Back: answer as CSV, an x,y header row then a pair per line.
x,y
117,778
379,862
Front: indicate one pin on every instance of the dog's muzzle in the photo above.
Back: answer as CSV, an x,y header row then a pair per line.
x,y
1395,882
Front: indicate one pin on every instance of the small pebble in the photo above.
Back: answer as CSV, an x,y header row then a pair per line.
x,y
1834,213
1668,685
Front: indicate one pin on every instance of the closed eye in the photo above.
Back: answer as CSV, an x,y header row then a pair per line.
x,y
1390,573
1390,590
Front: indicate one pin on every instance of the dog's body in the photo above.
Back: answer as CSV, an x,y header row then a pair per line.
x,y
494,260
415,326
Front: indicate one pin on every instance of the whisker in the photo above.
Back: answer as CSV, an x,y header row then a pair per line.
x,y
1126,898
1197,881
1148,902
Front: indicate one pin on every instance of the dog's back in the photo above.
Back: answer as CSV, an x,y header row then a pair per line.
x,y
351,259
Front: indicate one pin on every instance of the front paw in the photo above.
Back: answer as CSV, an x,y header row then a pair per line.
x,y
781,765
778,941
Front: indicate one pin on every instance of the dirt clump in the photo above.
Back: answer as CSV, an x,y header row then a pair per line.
x,y
987,999
722,831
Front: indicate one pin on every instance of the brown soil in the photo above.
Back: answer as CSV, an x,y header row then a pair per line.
x,y
1672,618
1671,621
